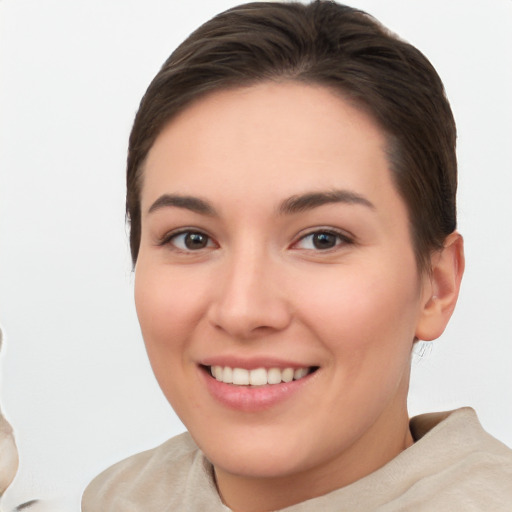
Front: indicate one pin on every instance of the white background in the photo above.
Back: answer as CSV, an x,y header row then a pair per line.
x,y
75,382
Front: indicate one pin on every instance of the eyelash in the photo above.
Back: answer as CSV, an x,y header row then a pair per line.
x,y
168,239
341,239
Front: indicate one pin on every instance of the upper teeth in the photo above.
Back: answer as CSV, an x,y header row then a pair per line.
x,y
258,376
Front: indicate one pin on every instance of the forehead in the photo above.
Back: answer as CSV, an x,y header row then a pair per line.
x,y
287,135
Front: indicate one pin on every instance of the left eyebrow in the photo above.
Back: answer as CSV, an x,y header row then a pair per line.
x,y
310,200
194,204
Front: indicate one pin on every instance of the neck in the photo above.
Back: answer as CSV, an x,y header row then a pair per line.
x,y
371,451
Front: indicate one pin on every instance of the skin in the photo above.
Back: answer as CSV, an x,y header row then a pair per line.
x,y
261,288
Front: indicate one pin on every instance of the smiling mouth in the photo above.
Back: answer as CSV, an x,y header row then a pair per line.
x,y
258,376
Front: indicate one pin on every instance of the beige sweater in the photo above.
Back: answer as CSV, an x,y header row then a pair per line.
x,y
453,466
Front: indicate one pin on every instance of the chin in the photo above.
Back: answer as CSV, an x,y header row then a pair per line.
x,y
262,467
257,455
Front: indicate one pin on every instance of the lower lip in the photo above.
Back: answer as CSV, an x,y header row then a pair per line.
x,y
252,398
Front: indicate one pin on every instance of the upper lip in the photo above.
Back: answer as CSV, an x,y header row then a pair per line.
x,y
252,363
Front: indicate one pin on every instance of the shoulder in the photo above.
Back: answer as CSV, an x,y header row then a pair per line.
x,y
461,462
453,465
459,434
151,473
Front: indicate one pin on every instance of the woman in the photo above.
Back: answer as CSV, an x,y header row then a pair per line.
x,y
291,192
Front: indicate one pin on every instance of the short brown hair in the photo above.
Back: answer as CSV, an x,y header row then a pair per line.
x,y
329,44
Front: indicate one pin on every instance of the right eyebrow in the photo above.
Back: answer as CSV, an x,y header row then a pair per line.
x,y
194,204
310,200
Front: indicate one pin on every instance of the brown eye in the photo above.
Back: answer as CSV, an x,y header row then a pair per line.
x,y
324,240
195,241
191,241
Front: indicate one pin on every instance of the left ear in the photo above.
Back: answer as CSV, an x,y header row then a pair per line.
x,y
442,288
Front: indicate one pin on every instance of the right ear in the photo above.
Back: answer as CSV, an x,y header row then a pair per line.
x,y
447,268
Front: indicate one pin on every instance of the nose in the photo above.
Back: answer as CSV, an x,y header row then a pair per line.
x,y
250,299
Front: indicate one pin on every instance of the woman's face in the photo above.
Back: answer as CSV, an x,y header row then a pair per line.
x,y
274,243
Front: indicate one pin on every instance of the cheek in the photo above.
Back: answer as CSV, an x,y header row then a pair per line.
x,y
366,322
166,307
363,312
169,309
